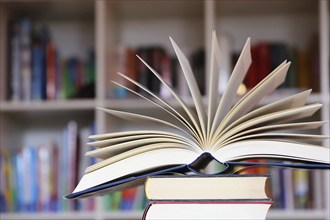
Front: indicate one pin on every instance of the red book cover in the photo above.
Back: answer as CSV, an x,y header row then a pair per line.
x,y
251,78
263,50
51,71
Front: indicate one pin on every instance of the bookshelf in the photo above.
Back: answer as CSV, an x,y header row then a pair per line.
x,y
103,25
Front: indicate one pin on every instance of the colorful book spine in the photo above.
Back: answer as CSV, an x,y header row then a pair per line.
x,y
35,67
15,64
51,71
25,58
37,72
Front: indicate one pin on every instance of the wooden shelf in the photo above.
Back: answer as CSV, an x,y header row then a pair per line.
x,y
123,215
273,214
270,7
297,214
40,216
159,9
72,215
9,106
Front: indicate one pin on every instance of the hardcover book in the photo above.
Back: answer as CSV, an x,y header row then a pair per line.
x,y
207,210
240,196
228,129
209,187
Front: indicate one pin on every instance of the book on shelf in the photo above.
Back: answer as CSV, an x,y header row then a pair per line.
x,y
25,52
304,71
39,72
123,61
226,131
34,178
207,197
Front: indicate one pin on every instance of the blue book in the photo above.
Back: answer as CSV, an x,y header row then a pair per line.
x,y
37,72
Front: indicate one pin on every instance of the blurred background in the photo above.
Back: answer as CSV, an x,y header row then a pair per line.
x,y
57,61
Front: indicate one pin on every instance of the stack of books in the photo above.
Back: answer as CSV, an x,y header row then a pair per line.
x,y
229,130
207,197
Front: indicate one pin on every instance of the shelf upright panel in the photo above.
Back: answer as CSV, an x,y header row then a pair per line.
x,y
3,50
325,93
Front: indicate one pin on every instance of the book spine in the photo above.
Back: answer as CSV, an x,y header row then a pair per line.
x,y
166,70
119,57
288,189
142,70
263,60
44,177
251,78
19,172
13,181
15,64
301,189
37,72
25,52
64,176
54,178
304,75
64,79
3,184
130,69
292,72
72,158
30,178
58,77
51,71
198,67
157,54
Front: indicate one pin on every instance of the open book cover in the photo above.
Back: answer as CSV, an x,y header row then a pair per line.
x,y
222,130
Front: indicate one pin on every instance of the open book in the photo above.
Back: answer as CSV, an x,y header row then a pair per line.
x,y
224,131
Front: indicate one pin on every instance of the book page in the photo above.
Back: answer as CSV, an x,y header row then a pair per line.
x,y
172,111
190,114
262,89
272,149
286,103
272,118
213,82
112,150
117,140
193,87
143,149
151,160
99,137
237,77
279,136
277,127
141,118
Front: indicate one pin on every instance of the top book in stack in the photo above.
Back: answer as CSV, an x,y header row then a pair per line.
x,y
207,197
224,131
217,187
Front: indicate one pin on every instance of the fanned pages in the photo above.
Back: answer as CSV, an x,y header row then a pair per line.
x,y
239,72
213,83
169,108
191,115
189,138
193,87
